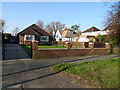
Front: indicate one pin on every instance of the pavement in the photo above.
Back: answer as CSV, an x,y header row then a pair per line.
x,y
37,73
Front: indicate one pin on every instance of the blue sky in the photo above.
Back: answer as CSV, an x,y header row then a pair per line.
x,y
23,14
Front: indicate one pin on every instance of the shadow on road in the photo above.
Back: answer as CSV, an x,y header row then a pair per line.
x,y
50,65
41,68
34,78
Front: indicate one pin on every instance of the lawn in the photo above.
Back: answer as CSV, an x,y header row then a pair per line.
x,y
27,48
103,72
51,47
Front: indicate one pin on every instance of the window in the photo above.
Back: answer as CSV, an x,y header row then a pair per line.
x,y
29,38
44,38
60,39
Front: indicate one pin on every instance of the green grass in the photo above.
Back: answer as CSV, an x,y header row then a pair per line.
x,y
50,47
27,49
103,72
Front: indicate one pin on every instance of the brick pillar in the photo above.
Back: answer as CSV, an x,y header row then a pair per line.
x,y
68,45
110,49
34,48
107,45
91,45
34,45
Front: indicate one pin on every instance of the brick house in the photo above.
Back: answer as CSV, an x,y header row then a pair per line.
x,y
33,33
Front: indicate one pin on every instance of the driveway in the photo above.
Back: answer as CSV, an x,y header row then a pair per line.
x,y
37,73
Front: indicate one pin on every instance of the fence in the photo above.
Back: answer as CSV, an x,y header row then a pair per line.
x,y
68,52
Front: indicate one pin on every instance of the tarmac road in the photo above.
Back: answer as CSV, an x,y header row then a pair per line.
x,y
37,73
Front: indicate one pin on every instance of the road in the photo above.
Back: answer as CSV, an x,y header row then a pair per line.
x,y
37,73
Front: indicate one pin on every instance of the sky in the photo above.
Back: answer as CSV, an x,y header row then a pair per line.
x,y
24,14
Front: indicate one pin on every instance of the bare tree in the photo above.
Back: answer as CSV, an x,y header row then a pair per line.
x,y
53,26
40,23
48,28
15,31
113,23
2,25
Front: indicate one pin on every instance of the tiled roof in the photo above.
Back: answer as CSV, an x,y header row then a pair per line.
x,y
34,29
68,33
107,28
92,29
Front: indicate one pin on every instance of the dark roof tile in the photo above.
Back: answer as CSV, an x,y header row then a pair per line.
x,y
34,29
92,29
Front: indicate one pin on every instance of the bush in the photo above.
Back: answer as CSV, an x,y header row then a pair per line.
x,y
100,38
45,43
91,40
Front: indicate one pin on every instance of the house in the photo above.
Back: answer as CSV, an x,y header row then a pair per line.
x,y
66,34
86,38
33,33
93,31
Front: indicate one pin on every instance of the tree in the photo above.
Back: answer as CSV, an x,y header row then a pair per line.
x,y
40,23
53,26
75,27
113,22
15,31
100,38
2,25
79,32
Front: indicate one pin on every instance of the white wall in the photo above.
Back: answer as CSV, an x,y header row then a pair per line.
x,y
95,33
83,39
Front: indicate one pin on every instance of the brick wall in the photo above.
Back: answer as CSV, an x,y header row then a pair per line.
x,y
75,44
57,53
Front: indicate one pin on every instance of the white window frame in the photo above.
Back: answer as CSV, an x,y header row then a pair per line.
x,y
47,38
28,35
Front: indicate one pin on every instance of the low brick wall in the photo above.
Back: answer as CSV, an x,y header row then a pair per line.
x,y
80,44
75,44
57,53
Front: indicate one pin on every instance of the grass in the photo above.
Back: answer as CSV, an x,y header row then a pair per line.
x,y
50,47
27,49
103,72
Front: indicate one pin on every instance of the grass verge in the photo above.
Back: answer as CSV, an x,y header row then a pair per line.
x,y
104,73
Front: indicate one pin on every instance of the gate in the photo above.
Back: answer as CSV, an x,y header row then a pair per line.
x,y
14,51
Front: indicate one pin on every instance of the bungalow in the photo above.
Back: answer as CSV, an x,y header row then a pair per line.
x,y
93,31
66,34
33,33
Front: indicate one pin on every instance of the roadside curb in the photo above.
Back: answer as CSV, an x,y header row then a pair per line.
x,y
14,60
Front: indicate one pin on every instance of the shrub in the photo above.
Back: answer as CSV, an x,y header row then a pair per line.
x,y
91,40
100,38
45,43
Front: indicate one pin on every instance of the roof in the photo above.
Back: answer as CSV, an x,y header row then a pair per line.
x,y
34,29
92,29
67,33
107,28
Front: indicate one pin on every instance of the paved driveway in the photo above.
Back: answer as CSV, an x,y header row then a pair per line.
x,y
37,74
